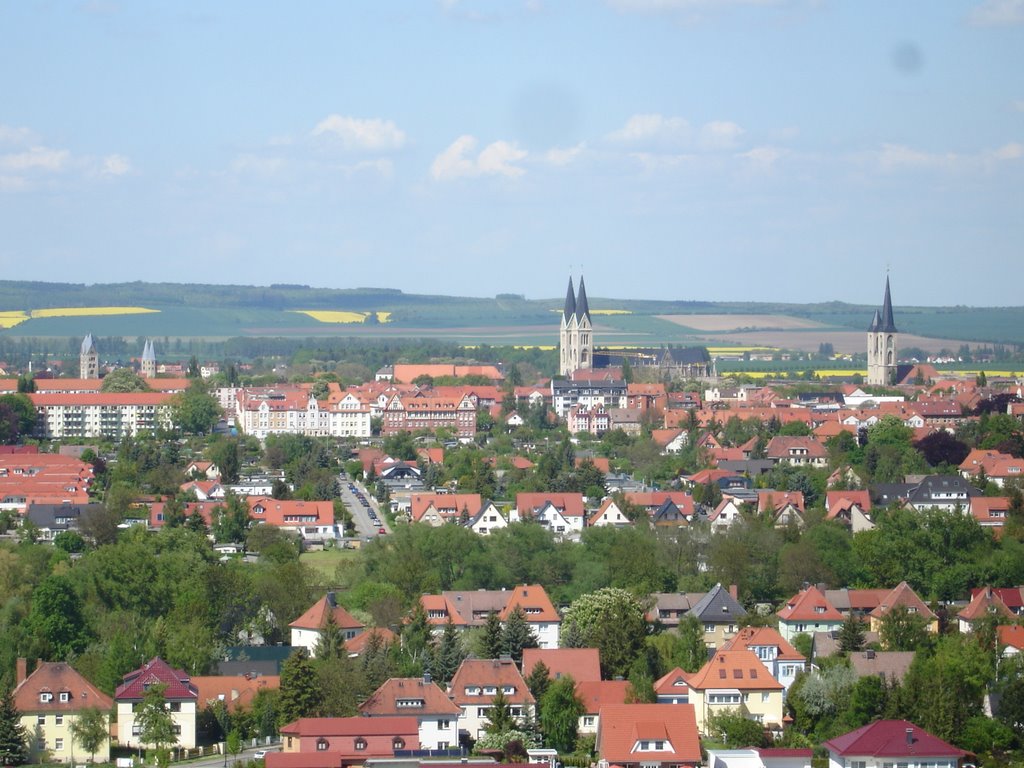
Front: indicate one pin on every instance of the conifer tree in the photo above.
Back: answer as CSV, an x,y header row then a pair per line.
x,y
13,738
300,691
539,680
490,642
517,635
449,654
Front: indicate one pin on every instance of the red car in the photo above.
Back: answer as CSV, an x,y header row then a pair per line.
x,y
382,530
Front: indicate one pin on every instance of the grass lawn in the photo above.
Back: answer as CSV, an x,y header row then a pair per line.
x,y
327,561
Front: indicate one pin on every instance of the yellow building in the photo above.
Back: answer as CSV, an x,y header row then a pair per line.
x,y
50,700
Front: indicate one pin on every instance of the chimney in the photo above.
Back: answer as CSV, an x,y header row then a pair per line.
x,y
426,677
910,736
22,671
331,600
734,591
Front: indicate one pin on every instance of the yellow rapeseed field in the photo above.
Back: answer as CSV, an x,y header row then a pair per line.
x,y
341,316
89,311
11,319
602,311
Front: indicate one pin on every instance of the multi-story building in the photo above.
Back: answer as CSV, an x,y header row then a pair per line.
x,y
50,701
475,685
101,414
436,715
180,696
566,394
413,412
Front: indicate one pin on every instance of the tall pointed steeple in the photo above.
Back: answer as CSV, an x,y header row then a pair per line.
x,y
876,322
582,308
888,325
570,302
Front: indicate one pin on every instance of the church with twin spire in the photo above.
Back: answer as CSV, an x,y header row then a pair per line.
x,y
576,337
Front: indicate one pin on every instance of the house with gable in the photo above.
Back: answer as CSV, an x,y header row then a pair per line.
x,y
891,743
561,513
1010,639
782,660
985,603
541,616
477,682
719,612
669,515
50,701
181,696
807,612
725,514
435,509
311,520
648,736
487,519
902,595
673,687
784,507
609,514
307,629
736,681
437,717
851,508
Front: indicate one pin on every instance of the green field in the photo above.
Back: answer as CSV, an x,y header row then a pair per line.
x,y
219,312
327,561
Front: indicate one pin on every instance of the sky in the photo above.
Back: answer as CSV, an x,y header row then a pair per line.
x,y
748,150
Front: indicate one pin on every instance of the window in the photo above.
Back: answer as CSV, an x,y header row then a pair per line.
x,y
764,697
65,696
588,721
323,744
58,719
360,744
40,719
398,743
45,697
443,724
58,745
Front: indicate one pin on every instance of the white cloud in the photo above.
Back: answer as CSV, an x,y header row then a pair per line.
x,y
893,156
1011,151
646,6
496,159
652,127
762,158
719,134
373,135
997,13
36,158
115,165
16,136
560,156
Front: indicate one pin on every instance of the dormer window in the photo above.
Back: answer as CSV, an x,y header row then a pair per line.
x,y
322,745
65,697
45,697
360,744
398,743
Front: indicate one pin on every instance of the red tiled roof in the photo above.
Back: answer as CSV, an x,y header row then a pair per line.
x,y
56,677
739,669
316,617
623,725
763,636
234,690
570,504
582,664
447,504
429,698
441,604
674,681
488,672
534,601
861,498
156,672
891,738
801,607
903,595
1011,635
986,602
595,694
358,644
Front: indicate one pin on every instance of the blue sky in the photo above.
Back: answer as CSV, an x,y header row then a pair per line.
x,y
773,150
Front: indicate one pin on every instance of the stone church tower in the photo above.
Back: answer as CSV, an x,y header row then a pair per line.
x,y
882,339
88,360
576,335
147,365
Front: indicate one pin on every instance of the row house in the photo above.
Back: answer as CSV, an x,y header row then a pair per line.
x,y
567,394
42,478
472,608
410,413
50,701
101,414
591,420
338,742
646,397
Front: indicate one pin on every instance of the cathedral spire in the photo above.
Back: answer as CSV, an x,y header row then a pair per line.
x,y
888,325
570,302
582,308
